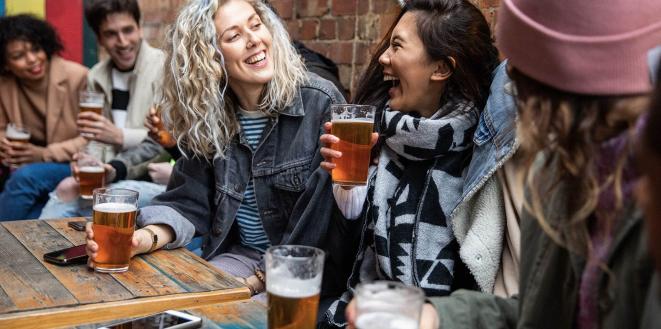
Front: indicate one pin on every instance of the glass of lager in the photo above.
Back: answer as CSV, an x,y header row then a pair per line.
x,y
293,283
89,170
17,133
353,125
91,101
114,215
388,305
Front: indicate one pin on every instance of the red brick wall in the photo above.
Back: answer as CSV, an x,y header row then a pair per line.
x,y
342,30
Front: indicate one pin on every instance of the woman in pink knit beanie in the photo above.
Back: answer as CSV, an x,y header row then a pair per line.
x,y
582,85
582,76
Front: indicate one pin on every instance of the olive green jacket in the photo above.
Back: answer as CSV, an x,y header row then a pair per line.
x,y
550,277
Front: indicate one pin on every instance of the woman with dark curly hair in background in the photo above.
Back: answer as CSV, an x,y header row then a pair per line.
x,y
39,91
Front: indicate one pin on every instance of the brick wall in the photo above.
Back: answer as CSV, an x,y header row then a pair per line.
x,y
342,30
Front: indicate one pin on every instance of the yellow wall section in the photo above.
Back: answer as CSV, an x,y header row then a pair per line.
x,y
35,7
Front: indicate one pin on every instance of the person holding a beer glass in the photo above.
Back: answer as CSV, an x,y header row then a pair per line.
x,y
429,79
39,95
248,117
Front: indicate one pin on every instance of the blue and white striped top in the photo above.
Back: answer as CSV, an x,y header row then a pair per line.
x,y
251,231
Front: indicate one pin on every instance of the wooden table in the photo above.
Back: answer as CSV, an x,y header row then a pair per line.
x,y
245,314
36,294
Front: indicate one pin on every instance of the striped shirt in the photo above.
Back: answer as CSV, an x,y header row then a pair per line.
x,y
251,231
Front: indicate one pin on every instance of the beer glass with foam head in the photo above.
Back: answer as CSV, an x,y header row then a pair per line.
x,y
91,101
114,216
17,133
388,305
353,125
89,171
293,283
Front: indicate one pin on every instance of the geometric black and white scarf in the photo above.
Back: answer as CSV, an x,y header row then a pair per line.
x,y
411,194
417,184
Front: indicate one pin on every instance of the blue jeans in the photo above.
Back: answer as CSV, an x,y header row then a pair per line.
x,y
56,208
26,190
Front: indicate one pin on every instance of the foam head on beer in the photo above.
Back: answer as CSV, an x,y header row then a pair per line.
x,y
16,133
282,282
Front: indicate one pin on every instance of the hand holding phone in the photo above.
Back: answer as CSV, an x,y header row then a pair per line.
x,y
67,256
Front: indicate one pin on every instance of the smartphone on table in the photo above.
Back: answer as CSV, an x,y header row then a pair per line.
x,y
78,225
163,320
67,256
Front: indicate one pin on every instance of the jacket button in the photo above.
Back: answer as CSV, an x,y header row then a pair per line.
x,y
237,187
478,257
216,230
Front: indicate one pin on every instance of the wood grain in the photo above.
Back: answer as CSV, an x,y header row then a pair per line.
x,y
62,226
85,285
189,271
6,305
25,281
64,317
247,314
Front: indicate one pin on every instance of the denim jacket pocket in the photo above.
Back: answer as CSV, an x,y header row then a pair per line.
x,y
292,179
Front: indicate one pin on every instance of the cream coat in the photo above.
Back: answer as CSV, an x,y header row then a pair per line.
x,y
145,79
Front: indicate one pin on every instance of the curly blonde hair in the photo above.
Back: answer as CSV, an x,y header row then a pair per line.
x,y
568,130
196,103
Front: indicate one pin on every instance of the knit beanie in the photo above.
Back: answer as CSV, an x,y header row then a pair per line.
x,y
595,47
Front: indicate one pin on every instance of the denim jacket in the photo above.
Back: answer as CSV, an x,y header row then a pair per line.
x,y
477,220
203,197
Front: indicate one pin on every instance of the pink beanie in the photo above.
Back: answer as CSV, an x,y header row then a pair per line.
x,y
596,47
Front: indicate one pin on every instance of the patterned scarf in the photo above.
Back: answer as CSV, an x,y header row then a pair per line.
x,y
411,194
417,184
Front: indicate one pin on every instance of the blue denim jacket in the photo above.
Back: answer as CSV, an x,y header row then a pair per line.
x,y
202,198
495,137
477,221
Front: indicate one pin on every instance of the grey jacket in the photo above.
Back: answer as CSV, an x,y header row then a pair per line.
x,y
203,197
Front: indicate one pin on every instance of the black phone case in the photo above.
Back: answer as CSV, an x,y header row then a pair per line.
x,y
67,256
78,225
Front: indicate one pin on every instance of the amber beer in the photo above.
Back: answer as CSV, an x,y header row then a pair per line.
x,y
293,308
113,227
293,284
89,178
355,136
163,136
91,107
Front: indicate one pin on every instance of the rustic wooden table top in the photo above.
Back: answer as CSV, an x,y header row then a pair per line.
x,y
37,294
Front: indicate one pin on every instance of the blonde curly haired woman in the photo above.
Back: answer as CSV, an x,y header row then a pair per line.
x,y
247,117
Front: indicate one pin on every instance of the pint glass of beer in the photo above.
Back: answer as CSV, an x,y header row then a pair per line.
x,y
17,134
89,171
293,283
91,101
388,305
114,215
353,125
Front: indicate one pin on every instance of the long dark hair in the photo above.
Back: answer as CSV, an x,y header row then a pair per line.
x,y
448,28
